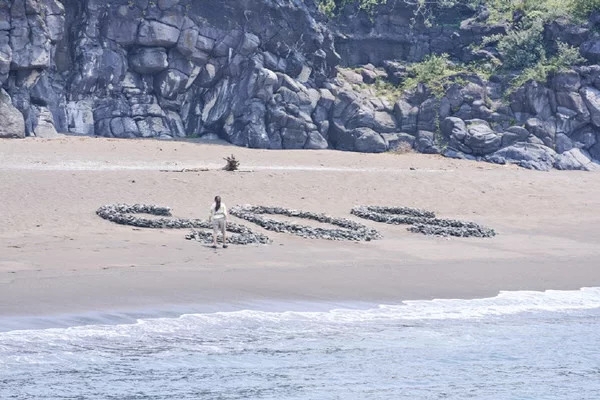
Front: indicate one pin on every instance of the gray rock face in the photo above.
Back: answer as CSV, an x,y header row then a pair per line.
x,y
369,141
149,60
481,139
156,69
44,123
407,116
545,130
396,141
13,125
455,130
576,159
267,74
157,34
473,136
531,156
591,50
591,97
426,143
513,135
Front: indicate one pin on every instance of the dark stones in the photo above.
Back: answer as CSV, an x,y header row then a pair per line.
x,y
348,229
422,221
13,125
526,155
157,34
481,139
149,60
125,214
368,141
263,75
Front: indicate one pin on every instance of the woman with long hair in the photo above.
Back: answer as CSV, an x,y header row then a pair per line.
x,y
218,217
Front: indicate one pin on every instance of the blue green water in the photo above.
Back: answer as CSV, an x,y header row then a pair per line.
x,y
517,345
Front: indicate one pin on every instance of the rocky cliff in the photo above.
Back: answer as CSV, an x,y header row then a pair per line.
x,y
279,74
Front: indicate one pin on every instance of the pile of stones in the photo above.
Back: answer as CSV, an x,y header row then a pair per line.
x,y
422,221
240,235
124,214
349,230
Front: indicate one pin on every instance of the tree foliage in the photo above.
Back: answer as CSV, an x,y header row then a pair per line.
x,y
565,58
523,46
583,8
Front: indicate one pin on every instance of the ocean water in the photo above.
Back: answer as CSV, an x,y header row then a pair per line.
x,y
517,345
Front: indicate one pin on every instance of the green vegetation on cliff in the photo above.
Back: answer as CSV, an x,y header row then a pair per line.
x,y
499,9
521,51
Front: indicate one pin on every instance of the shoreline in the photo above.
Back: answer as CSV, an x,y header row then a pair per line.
x,y
127,316
58,257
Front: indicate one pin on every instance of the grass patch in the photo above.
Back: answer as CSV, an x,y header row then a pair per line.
x,y
565,58
402,148
437,72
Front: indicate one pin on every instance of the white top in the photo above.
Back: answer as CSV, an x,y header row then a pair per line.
x,y
219,214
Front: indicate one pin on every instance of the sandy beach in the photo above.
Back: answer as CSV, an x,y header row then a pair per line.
x,y
58,257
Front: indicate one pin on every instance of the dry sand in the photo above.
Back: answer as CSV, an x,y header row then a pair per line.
x,y
58,257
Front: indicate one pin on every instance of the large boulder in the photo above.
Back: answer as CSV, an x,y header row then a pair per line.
x,y
13,124
157,34
406,115
44,123
591,97
545,130
576,159
149,60
368,141
513,135
473,136
481,139
398,141
585,138
527,155
591,50
80,117
426,143
455,131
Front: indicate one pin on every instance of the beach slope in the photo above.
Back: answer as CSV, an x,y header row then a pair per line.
x,y
58,257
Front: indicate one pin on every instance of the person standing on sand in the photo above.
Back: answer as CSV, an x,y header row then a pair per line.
x,y
218,217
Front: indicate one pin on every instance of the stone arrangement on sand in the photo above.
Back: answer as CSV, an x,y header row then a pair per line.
x,y
124,214
348,229
419,220
422,221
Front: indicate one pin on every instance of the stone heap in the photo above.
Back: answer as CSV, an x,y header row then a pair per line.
x,y
124,214
422,221
349,230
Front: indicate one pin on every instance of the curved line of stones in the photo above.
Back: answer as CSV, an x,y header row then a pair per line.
x,y
422,221
349,230
122,214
